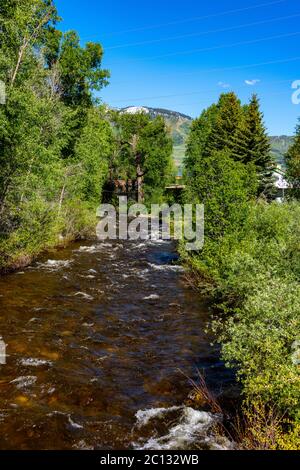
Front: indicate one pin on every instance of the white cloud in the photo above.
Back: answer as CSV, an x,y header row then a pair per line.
x,y
224,85
252,82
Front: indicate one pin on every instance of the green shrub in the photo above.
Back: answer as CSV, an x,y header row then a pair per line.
x,y
253,275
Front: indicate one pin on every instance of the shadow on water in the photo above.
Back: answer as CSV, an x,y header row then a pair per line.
x,y
95,336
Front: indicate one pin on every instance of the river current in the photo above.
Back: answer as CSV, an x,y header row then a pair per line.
x,y
101,340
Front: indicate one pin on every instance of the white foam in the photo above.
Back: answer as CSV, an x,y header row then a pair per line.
x,y
73,424
144,271
87,249
144,416
152,297
24,381
166,267
193,425
95,248
32,362
140,246
158,241
54,264
70,420
82,445
84,295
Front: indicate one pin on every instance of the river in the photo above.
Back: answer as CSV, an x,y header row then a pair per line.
x,y
101,339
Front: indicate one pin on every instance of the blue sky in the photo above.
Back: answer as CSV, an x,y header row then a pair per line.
x,y
181,55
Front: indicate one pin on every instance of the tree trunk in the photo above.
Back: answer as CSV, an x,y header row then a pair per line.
x,y
61,199
28,41
20,57
140,192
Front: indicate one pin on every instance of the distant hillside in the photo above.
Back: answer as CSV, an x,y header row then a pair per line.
x,y
179,125
280,146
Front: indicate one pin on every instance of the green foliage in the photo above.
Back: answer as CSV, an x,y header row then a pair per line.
x,y
227,119
197,142
79,70
258,338
144,153
92,154
227,126
250,263
224,187
54,144
293,164
32,227
252,145
254,277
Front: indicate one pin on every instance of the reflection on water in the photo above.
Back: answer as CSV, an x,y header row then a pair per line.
x,y
96,335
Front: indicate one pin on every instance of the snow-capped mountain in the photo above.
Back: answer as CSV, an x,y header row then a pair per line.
x,y
135,110
166,113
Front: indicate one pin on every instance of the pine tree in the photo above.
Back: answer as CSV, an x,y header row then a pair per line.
x,y
293,164
251,144
227,121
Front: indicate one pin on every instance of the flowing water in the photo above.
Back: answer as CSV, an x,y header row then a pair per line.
x,y
100,339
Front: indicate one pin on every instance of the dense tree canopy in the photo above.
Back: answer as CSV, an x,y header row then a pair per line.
x,y
47,127
238,131
145,153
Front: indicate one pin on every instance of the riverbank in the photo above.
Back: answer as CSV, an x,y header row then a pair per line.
x,y
53,230
253,278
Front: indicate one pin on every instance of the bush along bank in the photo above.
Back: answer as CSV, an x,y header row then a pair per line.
x,y
250,267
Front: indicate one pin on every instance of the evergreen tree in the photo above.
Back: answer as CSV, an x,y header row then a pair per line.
x,y
293,164
251,144
226,123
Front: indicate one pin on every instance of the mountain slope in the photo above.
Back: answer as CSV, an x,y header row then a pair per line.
x,y
179,125
280,146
